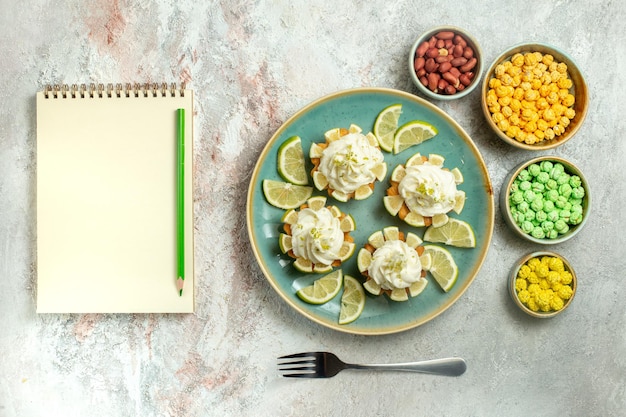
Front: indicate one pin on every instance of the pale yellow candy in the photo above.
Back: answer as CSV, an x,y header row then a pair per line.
x,y
547,59
517,60
570,113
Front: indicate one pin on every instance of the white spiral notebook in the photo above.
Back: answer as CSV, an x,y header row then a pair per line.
x,y
107,199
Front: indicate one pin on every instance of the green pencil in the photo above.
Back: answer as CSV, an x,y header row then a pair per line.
x,y
180,199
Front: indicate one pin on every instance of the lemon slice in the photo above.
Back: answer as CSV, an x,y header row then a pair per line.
x,y
362,192
291,161
426,260
323,289
415,220
304,265
363,260
413,240
319,180
376,239
346,251
417,287
352,300
285,195
285,243
347,224
454,233
290,217
355,128
372,287
316,151
385,126
391,233
436,159
398,173
399,294
440,219
459,201
317,202
412,133
340,196
380,171
332,134
442,267
415,160
393,203
458,176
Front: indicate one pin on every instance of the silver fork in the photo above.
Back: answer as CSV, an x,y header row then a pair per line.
x,y
326,365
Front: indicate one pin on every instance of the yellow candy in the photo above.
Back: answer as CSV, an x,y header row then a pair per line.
x,y
529,96
548,292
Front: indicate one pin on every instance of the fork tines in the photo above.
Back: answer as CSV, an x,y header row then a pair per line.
x,y
307,360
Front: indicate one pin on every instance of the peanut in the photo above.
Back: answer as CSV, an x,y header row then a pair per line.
x,y
445,62
445,35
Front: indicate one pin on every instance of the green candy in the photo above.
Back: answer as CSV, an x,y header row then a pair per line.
x,y
538,187
543,177
575,181
537,204
517,197
524,175
547,226
563,179
527,227
541,216
578,192
553,215
523,207
565,190
577,208
561,226
545,200
546,166
576,218
525,185
552,195
529,196
560,202
534,169
538,233
557,170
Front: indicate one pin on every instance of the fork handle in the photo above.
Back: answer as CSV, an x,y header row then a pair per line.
x,y
446,366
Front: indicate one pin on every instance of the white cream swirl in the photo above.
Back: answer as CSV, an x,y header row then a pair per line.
x,y
395,265
428,190
347,162
317,236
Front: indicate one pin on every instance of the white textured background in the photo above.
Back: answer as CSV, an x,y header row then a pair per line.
x,y
252,65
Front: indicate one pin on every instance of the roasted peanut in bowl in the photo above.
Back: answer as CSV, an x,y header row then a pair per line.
x,y
534,97
445,63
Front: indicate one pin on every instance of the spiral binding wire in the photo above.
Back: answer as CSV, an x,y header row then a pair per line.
x,y
117,90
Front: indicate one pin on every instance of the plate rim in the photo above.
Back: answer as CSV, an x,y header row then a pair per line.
x,y
254,179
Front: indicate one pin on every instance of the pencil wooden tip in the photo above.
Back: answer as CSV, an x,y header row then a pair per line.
x,y
180,282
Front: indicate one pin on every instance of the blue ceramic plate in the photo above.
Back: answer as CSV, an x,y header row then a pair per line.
x,y
361,106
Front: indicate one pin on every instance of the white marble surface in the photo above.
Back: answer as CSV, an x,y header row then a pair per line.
x,y
252,65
